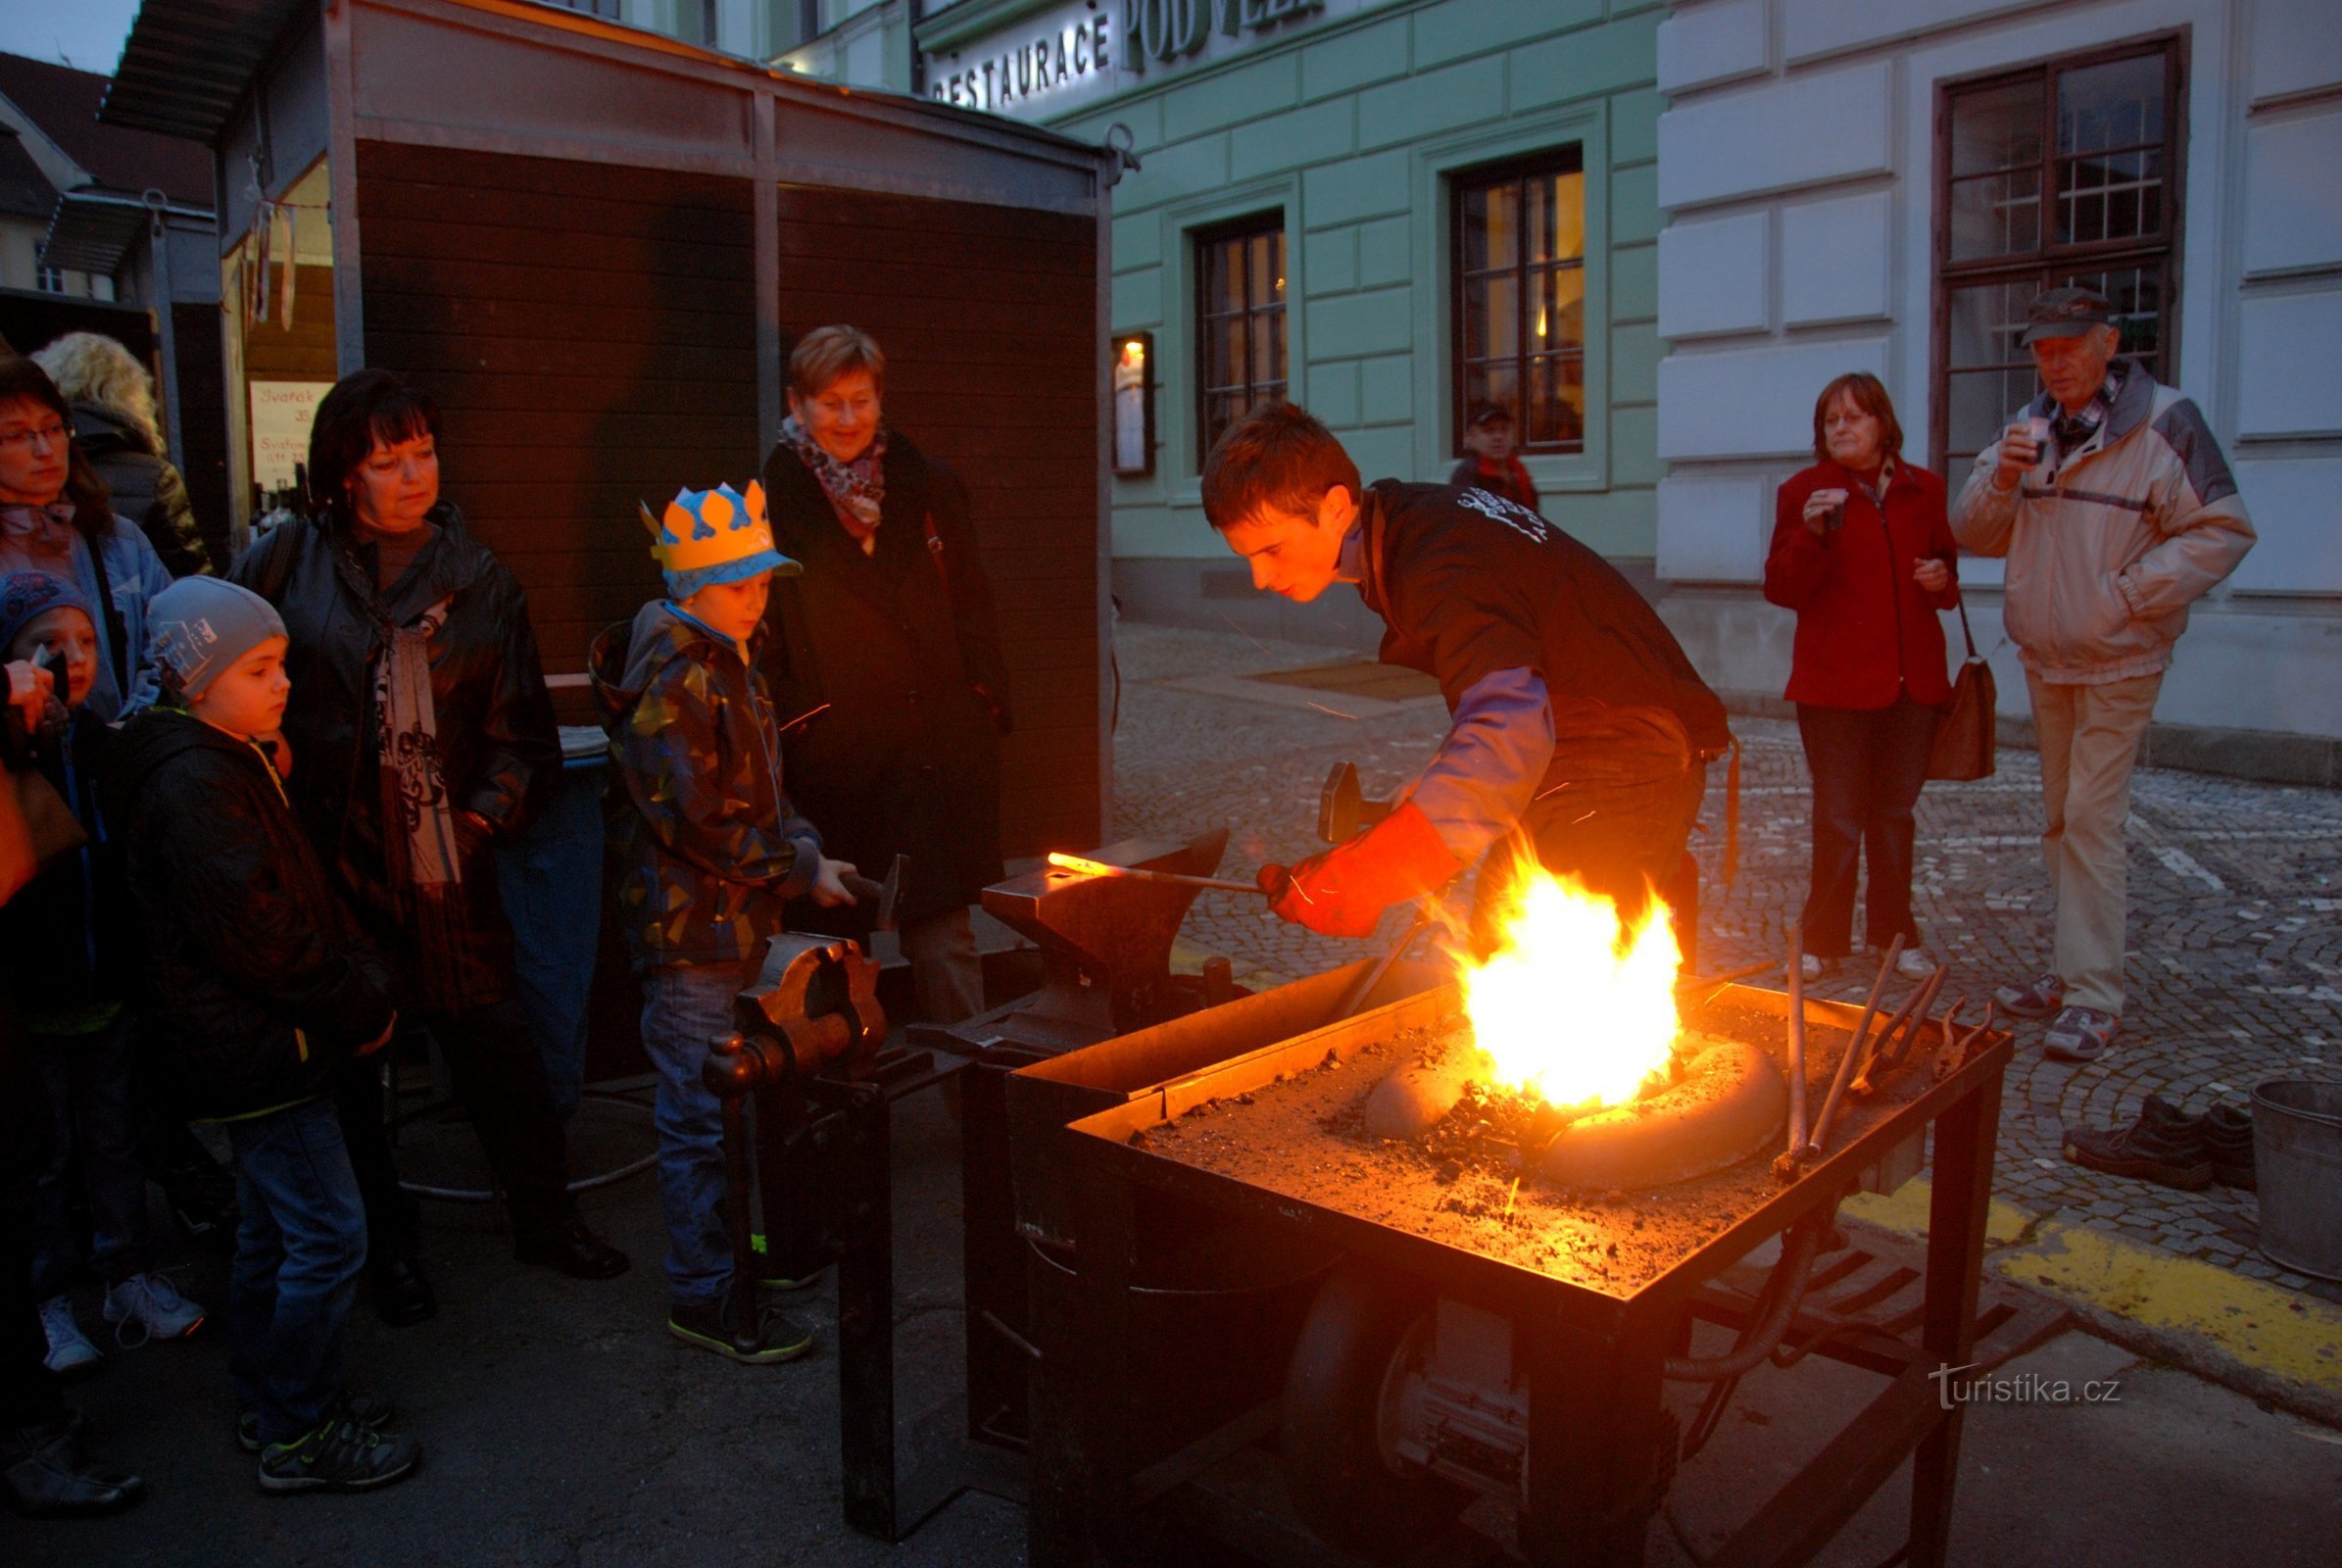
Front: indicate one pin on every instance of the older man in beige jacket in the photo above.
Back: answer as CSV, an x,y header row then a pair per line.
x,y
2116,509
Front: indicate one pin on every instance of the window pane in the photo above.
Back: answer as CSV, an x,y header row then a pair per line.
x,y
1268,347
1491,316
2110,196
2115,104
1996,214
1556,224
1999,127
1267,275
1556,400
1491,227
1557,309
1979,404
1228,353
2136,295
1223,277
1494,381
1987,319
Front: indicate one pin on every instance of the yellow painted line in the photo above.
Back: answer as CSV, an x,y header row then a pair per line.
x,y
1905,1211
2298,1338
2258,1325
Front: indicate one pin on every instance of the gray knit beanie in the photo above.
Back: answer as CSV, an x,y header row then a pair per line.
x,y
201,625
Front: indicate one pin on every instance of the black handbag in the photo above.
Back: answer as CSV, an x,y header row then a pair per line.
x,y
1963,724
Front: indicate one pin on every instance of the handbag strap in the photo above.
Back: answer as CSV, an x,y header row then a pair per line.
x,y
1966,635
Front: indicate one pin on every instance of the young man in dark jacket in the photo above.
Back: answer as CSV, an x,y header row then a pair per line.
x,y
267,987
709,851
1576,718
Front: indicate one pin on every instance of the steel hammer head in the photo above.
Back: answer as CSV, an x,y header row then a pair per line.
x,y
888,892
1342,810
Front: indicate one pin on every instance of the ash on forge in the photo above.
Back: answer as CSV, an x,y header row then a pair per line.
x,y
1552,1109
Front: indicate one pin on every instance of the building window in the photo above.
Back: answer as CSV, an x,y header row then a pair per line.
x,y
52,281
2061,174
1240,323
1520,298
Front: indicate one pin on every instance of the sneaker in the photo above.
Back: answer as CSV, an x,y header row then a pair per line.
x,y
364,1409
1914,963
2080,1034
775,1285
2165,1145
1815,968
70,1350
148,1306
2037,998
339,1456
707,1325
2228,1140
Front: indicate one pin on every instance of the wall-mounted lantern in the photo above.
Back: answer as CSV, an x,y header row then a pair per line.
x,y
1134,405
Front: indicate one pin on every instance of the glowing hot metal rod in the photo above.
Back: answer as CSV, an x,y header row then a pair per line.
x,y
1075,863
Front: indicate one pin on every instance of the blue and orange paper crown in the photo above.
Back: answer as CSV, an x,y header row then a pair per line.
x,y
710,536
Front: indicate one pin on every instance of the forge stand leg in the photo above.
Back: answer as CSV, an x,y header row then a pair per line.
x,y
1964,1138
992,1260
1080,1468
1601,1445
867,1316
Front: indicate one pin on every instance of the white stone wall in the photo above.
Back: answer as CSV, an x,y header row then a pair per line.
x,y
1796,173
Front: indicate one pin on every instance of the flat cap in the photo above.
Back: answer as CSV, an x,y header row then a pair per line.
x,y
2064,312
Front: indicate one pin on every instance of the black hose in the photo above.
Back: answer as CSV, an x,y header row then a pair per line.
x,y
1785,1290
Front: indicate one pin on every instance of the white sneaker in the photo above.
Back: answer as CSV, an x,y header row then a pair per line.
x,y
154,1306
1814,969
70,1348
1914,963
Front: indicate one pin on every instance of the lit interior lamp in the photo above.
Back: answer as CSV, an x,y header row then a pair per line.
x,y
1134,405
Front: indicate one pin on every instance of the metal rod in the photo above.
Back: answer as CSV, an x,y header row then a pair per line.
x,y
1364,988
1796,1039
1921,996
1075,863
1845,1063
1914,1026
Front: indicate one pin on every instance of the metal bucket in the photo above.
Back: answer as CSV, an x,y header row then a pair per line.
x,y
2297,1159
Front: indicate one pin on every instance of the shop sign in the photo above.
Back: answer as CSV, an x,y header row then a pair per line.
x,y
282,414
1060,61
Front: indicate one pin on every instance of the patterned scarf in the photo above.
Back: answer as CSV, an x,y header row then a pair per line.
x,y
420,848
38,534
856,490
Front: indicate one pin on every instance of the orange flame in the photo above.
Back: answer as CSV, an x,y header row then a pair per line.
x,y
1574,1006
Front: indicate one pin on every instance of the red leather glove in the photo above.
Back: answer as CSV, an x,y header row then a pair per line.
x,y
1344,892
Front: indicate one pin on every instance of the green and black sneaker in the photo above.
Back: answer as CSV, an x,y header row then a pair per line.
x,y
366,1409
707,1326
339,1456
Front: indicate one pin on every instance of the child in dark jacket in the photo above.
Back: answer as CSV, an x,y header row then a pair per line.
x,y
710,850
64,937
263,987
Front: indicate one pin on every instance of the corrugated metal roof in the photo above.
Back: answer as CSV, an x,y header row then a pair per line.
x,y
188,61
93,230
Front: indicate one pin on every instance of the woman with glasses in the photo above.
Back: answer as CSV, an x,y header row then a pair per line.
x,y
57,516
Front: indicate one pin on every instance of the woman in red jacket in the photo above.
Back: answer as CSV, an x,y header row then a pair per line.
x,y
1862,553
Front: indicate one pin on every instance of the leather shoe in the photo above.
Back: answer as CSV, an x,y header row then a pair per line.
x,y
402,1295
574,1249
46,1475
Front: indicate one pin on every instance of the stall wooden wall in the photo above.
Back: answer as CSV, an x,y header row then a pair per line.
x,y
590,330
987,318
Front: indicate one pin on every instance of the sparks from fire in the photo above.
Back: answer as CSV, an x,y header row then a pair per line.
x,y
1573,1006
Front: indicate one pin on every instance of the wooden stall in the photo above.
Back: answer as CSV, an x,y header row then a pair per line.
x,y
595,245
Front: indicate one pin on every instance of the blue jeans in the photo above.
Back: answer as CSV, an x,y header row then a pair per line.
x,y
551,881
684,1006
298,1253
87,1079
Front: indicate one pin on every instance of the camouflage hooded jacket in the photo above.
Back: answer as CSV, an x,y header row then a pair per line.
x,y
709,847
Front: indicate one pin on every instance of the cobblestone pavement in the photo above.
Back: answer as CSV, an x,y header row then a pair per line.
x,y
2235,967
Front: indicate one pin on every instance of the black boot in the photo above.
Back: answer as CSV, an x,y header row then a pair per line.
x,y
572,1248
2166,1144
47,1476
402,1294
2228,1139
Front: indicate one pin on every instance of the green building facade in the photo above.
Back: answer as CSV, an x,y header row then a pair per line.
x,y
1386,209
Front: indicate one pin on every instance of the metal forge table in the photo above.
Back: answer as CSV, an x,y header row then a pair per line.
x,y
1587,1348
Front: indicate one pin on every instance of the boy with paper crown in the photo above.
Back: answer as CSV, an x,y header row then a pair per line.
x,y
709,852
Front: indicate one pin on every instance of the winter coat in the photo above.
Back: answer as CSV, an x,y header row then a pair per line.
x,y
498,745
1867,634
258,979
707,846
1468,585
67,934
901,647
2109,547
120,574
146,488
1508,479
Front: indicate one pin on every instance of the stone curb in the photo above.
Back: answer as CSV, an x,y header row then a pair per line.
x,y
2267,1342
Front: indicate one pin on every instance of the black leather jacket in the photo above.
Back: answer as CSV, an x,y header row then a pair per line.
x,y
249,955
499,746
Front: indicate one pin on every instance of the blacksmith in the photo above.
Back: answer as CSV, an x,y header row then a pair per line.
x,y
1576,716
